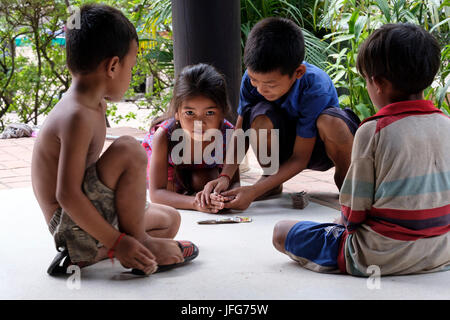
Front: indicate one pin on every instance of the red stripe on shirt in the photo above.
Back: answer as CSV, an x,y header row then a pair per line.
x,y
385,121
354,216
398,110
422,214
341,255
397,232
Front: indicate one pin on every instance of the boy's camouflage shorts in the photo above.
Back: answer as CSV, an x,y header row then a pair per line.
x,y
82,246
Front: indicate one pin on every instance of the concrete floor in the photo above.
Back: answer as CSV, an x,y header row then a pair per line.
x,y
236,261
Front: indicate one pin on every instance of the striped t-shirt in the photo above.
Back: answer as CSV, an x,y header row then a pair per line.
x,y
396,195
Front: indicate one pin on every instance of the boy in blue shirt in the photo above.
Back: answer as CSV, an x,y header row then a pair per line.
x,y
281,91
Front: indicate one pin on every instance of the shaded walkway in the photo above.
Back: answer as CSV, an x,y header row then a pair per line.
x,y
236,261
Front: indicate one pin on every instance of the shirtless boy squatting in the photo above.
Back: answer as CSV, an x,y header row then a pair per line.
x,y
95,206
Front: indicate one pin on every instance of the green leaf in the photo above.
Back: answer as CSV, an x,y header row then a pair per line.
x,y
384,7
442,92
439,24
331,35
359,26
338,76
341,39
446,110
352,21
364,110
344,100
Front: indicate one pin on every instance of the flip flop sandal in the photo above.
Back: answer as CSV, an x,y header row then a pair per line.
x,y
190,252
59,264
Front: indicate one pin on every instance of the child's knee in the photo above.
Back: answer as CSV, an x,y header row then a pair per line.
x,y
169,218
173,216
338,140
170,215
333,130
262,122
174,222
279,236
129,147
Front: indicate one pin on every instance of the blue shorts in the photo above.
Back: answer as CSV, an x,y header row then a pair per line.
x,y
315,245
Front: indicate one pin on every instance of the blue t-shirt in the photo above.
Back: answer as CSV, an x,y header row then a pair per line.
x,y
306,99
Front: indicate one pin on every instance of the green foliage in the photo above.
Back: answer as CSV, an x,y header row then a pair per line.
x,y
350,22
439,92
153,22
30,86
252,11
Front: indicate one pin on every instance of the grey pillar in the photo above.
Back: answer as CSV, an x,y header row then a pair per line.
x,y
209,31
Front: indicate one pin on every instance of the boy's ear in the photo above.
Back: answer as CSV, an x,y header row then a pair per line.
x,y
380,84
112,66
300,71
177,117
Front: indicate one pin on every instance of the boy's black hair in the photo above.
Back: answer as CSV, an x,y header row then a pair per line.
x,y
404,54
274,44
104,33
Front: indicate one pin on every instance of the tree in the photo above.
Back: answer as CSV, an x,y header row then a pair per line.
x,y
31,86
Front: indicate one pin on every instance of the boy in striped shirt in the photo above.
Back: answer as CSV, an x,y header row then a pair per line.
x,y
396,195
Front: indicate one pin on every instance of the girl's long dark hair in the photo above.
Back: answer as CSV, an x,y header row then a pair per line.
x,y
194,80
197,80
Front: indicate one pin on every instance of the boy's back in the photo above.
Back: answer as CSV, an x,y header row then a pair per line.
x,y
67,118
395,198
95,206
412,161
401,169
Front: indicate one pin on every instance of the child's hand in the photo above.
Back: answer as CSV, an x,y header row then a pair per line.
x,y
213,207
132,254
242,198
214,186
220,197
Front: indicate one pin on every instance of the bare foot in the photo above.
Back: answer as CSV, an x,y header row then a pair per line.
x,y
102,254
165,250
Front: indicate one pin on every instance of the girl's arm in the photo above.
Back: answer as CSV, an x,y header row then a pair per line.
x,y
158,176
230,169
158,179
